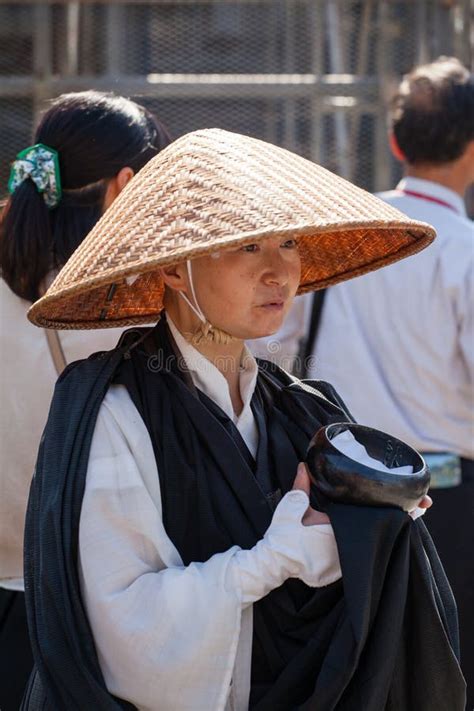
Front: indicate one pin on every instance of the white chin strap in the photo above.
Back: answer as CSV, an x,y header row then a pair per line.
x,y
197,309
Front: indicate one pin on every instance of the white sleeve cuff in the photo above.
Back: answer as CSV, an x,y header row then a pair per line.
x,y
288,550
416,513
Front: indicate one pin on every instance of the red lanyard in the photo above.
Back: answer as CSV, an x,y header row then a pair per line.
x,y
429,198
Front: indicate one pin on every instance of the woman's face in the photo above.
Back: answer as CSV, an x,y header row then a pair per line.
x,y
248,291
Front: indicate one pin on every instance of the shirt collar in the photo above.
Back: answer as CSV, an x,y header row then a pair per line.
x,y
434,190
210,380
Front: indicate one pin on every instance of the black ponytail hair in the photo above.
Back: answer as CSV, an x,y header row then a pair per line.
x,y
95,135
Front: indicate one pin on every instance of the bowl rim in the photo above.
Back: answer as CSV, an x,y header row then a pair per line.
x,y
325,430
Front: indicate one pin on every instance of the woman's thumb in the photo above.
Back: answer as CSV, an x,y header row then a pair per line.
x,y
302,480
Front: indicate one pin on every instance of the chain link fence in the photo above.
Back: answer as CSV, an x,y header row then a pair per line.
x,y
311,75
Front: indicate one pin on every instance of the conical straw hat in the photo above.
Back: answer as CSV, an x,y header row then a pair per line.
x,y
209,190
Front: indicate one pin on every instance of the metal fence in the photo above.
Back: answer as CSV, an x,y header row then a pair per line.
x,y
311,75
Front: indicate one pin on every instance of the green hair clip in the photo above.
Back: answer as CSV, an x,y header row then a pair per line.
x,y
40,164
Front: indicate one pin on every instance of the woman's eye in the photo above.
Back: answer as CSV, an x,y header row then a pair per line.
x,y
290,244
250,248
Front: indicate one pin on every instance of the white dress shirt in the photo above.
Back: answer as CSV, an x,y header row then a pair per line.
x,y
170,636
398,344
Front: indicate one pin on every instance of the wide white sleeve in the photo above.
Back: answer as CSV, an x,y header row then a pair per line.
x,y
167,634
288,550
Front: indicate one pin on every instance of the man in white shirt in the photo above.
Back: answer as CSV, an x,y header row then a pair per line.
x,y
404,335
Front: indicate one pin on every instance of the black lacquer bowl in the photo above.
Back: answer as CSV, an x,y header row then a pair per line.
x,y
339,478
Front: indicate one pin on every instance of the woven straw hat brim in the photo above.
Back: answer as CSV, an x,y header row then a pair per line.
x,y
212,190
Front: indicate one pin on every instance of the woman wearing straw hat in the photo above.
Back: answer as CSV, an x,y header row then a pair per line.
x,y
87,146
173,560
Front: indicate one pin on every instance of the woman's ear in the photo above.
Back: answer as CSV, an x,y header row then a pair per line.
x,y
116,184
175,277
123,177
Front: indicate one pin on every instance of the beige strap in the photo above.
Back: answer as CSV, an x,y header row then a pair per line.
x,y
56,350
52,337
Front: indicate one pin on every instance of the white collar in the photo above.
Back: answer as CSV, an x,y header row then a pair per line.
x,y
210,380
434,190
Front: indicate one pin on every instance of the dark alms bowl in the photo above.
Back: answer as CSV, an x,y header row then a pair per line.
x,y
339,478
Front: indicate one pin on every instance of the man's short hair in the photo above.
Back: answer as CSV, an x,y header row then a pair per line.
x,y
432,114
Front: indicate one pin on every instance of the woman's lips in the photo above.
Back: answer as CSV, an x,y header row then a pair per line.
x,y
272,306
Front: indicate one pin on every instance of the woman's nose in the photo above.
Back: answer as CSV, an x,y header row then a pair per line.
x,y
276,272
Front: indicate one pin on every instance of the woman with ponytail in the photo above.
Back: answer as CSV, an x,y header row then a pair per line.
x,y
87,147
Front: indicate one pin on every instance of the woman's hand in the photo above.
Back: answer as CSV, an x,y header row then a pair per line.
x,y
313,517
302,482
424,504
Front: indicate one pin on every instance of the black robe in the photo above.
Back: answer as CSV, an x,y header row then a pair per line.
x,y
384,638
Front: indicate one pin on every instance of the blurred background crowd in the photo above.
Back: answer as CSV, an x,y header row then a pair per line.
x,y
313,76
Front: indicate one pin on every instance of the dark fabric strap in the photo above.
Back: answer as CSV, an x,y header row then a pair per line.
x,y
35,697
313,331
61,640
467,470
